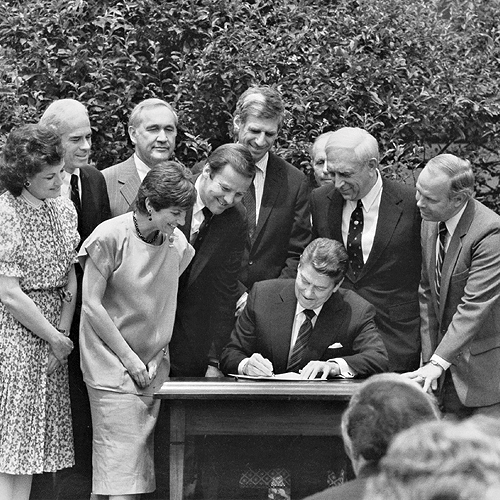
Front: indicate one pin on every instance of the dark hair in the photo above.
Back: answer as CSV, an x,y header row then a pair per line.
x,y
236,155
261,102
27,151
327,257
166,185
383,406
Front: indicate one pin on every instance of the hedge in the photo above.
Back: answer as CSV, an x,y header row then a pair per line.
x,y
422,76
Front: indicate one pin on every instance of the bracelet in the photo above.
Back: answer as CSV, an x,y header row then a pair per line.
x,y
435,363
64,332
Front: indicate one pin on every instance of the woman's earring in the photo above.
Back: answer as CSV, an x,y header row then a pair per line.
x,y
27,184
150,218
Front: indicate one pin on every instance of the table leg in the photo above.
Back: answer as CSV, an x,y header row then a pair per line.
x,y
177,443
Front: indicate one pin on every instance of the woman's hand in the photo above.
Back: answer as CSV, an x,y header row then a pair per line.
x,y
137,370
61,347
154,364
53,363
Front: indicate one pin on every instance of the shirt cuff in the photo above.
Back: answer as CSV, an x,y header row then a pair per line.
x,y
242,365
440,361
345,369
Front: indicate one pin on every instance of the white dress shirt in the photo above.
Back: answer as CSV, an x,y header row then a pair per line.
x,y
258,182
142,168
371,206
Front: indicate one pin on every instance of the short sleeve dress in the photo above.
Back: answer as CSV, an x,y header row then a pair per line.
x,y
38,242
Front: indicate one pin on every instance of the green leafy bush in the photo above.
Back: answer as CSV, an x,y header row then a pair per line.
x,y
421,76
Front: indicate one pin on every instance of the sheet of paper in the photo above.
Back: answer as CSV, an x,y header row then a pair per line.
x,y
281,376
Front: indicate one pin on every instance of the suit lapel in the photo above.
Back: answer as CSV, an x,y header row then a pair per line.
x,y
453,251
282,331
129,181
272,186
211,243
388,218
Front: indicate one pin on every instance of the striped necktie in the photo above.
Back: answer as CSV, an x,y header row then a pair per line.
x,y
302,339
442,234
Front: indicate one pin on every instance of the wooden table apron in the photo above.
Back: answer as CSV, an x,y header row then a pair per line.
x,y
246,407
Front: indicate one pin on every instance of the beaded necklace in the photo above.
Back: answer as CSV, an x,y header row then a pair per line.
x,y
150,240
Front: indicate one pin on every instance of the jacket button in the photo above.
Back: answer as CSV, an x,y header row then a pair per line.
x,y
250,262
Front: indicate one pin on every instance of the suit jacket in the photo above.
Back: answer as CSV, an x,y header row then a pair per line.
x,y
465,329
122,181
208,291
389,279
95,201
265,326
283,229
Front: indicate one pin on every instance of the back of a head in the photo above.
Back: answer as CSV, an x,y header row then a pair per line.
x,y
439,461
383,406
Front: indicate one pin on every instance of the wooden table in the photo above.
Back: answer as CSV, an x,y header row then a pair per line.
x,y
228,406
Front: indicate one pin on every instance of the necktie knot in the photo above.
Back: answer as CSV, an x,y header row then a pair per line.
x,y
207,214
309,313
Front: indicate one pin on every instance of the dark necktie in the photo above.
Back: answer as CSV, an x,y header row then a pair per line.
x,y
442,234
302,339
250,205
354,250
204,226
75,193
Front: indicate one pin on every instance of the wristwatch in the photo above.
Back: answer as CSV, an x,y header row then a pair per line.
x,y
64,332
214,362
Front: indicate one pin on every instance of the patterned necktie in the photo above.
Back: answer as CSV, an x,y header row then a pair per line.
x,y
250,205
354,250
442,234
302,340
75,193
202,232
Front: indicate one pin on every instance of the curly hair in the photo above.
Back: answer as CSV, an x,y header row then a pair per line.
x,y
166,185
27,151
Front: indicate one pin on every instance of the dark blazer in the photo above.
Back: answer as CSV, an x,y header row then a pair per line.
x,y
208,291
390,277
95,202
122,181
265,326
465,329
283,229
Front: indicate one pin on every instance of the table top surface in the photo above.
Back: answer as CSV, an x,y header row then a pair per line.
x,y
231,388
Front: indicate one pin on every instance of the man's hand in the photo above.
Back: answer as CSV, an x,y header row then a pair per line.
x,y
212,372
427,376
258,366
326,368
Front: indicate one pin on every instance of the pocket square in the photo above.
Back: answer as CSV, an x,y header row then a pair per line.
x,y
335,345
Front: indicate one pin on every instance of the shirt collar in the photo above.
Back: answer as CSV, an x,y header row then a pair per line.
x,y
300,309
262,163
30,199
452,222
369,199
141,167
198,205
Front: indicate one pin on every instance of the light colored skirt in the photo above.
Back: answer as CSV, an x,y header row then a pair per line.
x,y
123,442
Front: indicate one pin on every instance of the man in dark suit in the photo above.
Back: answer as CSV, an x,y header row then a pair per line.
x,y
208,289
85,185
342,339
379,224
312,326
277,203
152,129
459,291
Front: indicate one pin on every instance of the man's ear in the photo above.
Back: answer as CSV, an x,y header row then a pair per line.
x,y
206,171
131,133
236,123
459,199
373,163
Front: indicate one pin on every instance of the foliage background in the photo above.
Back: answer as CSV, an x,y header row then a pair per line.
x,y
421,76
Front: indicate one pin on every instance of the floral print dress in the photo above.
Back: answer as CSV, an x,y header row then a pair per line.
x,y
37,245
